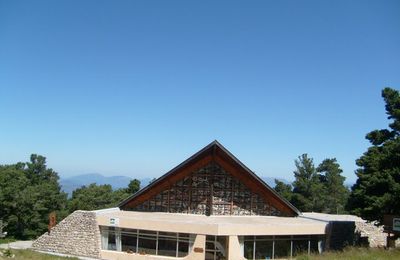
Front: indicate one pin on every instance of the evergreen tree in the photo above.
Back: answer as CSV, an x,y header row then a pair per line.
x,y
133,186
91,197
307,187
285,190
95,197
377,190
335,193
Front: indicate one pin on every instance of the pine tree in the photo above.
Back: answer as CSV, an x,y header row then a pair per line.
x,y
335,193
307,188
377,190
285,190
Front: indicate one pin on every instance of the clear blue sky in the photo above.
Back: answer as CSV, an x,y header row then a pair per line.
x,y
135,87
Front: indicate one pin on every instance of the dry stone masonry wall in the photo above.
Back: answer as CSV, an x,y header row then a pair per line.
x,y
375,235
78,234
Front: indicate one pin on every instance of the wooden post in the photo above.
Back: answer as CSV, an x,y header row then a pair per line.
x,y
52,221
390,241
190,193
2,225
169,189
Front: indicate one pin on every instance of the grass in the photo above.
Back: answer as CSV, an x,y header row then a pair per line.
x,y
355,253
6,240
348,254
32,255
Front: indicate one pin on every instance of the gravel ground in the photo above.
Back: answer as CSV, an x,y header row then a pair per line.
x,y
17,245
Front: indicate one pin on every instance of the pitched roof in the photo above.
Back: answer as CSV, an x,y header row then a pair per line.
x,y
218,153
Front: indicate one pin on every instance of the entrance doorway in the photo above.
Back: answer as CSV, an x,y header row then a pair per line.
x,y
216,248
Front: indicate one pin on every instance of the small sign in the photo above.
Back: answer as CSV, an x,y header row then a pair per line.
x,y
396,224
52,221
114,221
198,250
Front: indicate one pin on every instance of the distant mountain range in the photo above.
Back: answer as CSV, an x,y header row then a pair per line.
x,y
69,184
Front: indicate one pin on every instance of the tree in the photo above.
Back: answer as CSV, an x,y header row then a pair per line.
x,y
93,197
13,182
307,187
28,193
285,190
133,186
377,190
335,193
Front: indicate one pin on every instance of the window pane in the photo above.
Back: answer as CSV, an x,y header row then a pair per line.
x,y
248,238
300,247
314,246
210,238
167,234
147,233
248,249
183,236
264,238
166,246
220,247
147,246
183,249
282,249
130,231
128,242
210,246
209,255
263,250
112,245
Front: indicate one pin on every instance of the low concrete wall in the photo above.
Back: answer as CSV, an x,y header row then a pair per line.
x,y
78,234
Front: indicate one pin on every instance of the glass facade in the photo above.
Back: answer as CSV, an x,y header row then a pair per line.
x,y
146,241
216,248
279,247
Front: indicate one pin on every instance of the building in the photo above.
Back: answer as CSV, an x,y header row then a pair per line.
x,y
210,207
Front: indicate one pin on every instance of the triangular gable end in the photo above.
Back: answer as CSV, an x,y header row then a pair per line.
x,y
211,182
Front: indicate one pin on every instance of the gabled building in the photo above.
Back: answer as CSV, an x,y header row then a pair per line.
x,y
210,207
211,182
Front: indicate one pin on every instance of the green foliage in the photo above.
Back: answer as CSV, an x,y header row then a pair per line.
x,y
133,186
377,190
307,188
335,193
318,189
33,255
285,190
8,253
7,240
94,197
28,193
356,253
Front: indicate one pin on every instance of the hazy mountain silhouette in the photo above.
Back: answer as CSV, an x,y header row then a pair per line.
x,y
69,184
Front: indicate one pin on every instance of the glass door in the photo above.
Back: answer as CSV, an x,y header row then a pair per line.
x,y
216,248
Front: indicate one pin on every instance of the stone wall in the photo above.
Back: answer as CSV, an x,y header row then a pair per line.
x,y
78,234
374,234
